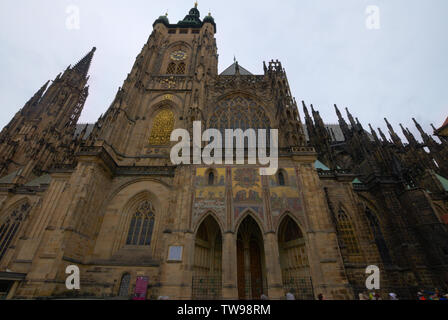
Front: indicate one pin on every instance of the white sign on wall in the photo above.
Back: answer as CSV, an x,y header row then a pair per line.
x,y
175,253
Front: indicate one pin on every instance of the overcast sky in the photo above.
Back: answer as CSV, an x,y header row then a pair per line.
x,y
397,71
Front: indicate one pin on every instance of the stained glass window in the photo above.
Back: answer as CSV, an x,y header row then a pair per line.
x,y
162,128
281,179
142,225
378,235
9,227
239,112
347,233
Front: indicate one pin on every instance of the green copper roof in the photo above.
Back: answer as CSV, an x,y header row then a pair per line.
x,y
356,181
443,181
209,18
163,19
191,20
10,177
320,165
45,179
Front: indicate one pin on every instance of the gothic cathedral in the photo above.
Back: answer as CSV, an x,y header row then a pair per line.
x,y
106,198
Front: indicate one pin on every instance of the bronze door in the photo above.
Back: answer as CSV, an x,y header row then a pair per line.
x,y
255,271
240,270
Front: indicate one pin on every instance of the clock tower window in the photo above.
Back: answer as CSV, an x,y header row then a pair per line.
x,y
171,68
181,68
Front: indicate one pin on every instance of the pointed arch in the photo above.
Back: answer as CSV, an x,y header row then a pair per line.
x,y
142,225
294,260
376,229
125,281
282,178
287,213
210,213
211,176
347,232
11,223
251,264
207,267
250,213
171,69
138,221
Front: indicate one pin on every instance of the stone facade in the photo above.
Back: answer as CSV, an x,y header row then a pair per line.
x,y
108,199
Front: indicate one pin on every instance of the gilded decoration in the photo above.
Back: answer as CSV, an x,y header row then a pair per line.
x,y
162,128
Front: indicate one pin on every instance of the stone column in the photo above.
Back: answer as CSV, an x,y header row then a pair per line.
x,y
176,277
273,268
229,267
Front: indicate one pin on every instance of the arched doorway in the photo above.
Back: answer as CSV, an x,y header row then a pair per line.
x,y
294,260
250,261
207,269
123,291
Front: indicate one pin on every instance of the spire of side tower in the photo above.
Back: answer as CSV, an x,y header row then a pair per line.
x,y
82,67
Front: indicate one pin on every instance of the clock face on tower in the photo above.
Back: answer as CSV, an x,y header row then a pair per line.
x,y
178,55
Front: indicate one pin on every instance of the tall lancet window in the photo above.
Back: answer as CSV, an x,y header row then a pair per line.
x,y
10,225
142,225
211,178
162,127
347,233
181,68
171,68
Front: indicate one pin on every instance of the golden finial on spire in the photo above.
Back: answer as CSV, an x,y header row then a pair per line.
x,y
195,4
166,14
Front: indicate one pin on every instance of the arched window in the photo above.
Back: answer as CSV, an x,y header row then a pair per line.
x,y
142,225
281,178
378,235
171,68
181,68
347,233
124,285
162,128
239,112
9,226
211,178
294,260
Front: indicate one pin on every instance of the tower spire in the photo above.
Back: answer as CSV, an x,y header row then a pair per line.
x,y
350,118
373,132
82,67
395,138
383,137
342,123
425,136
409,136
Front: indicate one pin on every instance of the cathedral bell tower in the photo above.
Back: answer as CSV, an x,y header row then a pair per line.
x,y
164,89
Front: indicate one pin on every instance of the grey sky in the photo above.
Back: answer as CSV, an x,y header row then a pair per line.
x,y
398,71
